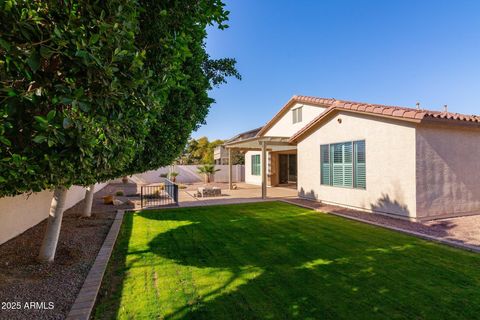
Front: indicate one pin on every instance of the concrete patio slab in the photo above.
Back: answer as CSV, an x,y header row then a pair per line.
x,y
245,193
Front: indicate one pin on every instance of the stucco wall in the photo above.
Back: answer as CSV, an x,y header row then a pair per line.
x,y
189,174
390,164
285,128
19,213
448,171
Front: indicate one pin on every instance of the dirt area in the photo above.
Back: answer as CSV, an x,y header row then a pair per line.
x,y
462,229
24,280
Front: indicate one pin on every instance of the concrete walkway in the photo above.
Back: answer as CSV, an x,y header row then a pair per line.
x,y
245,193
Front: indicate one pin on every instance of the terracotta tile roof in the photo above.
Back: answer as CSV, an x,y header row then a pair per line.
x,y
396,111
401,113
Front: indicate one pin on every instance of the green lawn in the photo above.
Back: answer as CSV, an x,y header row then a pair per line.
x,y
278,261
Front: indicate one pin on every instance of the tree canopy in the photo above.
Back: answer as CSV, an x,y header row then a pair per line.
x,y
91,91
201,150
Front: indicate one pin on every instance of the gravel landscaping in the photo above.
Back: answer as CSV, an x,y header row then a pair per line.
x,y
464,230
24,280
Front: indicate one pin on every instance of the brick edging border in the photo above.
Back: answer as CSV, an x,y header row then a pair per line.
x,y
85,301
409,232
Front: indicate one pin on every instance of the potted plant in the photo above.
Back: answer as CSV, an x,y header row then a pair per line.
x,y
108,199
208,170
173,176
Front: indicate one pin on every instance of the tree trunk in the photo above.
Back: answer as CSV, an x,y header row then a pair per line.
x,y
50,240
87,209
207,178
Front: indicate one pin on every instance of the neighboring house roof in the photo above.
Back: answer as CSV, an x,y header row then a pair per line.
x,y
385,111
244,135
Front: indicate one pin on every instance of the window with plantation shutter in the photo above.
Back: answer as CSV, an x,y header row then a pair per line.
x,y
337,164
325,163
360,169
255,160
343,164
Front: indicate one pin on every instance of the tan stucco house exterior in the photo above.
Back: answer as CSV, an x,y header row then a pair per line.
x,y
404,162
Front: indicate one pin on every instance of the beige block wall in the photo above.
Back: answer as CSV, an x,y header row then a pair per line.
x,y
285,128
20,213
390,164
448,171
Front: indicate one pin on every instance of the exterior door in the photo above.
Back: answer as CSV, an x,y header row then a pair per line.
x,y
283,168
288,168
292,168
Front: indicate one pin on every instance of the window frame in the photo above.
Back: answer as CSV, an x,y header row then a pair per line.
x,y
354,165
255,165
297,116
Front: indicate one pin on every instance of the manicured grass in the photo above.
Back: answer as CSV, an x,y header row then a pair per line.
x,y
278,261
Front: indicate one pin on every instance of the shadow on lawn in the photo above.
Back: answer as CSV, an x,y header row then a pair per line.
x,y
311,268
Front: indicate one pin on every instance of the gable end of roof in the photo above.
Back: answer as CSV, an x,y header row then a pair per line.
x,y
321,102
384,111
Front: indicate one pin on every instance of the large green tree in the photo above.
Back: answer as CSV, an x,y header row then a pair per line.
x,y
201,151
187,102
93,90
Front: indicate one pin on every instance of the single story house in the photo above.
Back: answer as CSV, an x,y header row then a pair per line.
x,y
404,162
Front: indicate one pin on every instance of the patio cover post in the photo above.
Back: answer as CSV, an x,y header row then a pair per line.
x,y
230,184
264,169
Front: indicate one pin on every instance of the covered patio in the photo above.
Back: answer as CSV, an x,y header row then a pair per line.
x,y
244,193
274,146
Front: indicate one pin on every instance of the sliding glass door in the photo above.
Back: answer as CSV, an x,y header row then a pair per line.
x,y
288,168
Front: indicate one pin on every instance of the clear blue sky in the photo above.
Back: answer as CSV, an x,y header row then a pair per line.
x,y
379,51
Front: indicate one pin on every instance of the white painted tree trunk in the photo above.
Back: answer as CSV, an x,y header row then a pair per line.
x,y
87,209
50,240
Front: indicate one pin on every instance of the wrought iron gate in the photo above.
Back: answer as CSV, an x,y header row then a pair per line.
x,y
159,195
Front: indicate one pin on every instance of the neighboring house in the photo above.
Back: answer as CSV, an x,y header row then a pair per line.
x,y
220,153
409,163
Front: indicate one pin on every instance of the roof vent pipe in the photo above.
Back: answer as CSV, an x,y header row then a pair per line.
x,y
418,105
445,108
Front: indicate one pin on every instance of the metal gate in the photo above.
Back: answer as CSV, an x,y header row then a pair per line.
x,y
159,195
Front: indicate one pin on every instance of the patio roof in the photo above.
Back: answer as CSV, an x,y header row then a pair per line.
x,y
258,143
255,143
